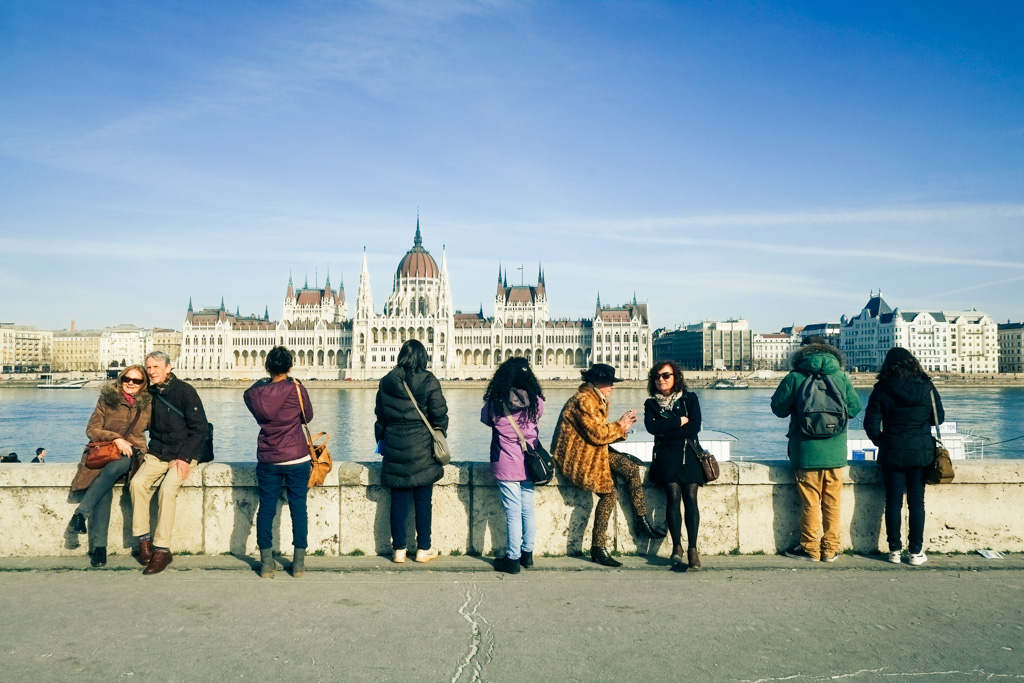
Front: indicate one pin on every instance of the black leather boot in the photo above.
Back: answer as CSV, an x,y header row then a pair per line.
x,y
526,559
98,556
78,523
644,528
601,556
504,564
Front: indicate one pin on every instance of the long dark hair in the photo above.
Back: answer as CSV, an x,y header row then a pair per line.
x,y
677,372
514,373
412,357
901,364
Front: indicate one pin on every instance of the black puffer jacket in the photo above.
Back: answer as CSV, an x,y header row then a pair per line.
x,y
408,445
898,420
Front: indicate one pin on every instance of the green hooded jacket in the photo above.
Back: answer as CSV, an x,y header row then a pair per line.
x,y
804,452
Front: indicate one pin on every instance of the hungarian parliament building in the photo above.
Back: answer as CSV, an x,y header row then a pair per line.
x,y
328,344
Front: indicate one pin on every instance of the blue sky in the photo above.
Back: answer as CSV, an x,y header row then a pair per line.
x,y
776,161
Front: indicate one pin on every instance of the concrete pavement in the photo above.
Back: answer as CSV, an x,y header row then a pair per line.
x,y
752,618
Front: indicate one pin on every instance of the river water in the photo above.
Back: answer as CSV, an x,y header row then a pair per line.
x,y
56,420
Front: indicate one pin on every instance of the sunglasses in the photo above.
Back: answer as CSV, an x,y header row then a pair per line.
x,y
132,380
665,375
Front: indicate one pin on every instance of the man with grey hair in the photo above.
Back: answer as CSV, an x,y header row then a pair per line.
x,y
178,432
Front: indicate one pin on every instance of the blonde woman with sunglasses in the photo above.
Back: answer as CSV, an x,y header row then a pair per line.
x,y
121,402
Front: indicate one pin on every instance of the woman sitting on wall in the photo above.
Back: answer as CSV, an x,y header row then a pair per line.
x,y
410,469
282,455
580,448
121,415
898,420
514,388
672,415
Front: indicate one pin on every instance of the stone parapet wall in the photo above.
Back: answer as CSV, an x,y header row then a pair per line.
x,y
753,508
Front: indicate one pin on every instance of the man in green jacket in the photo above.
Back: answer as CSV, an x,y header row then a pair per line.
x,y
818,461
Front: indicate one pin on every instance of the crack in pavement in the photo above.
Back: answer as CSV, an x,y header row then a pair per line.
x,y
481,644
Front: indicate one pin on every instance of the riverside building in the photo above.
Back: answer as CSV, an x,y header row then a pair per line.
x,y
774,350
1011,351
328,344
943,341
25,349
708,345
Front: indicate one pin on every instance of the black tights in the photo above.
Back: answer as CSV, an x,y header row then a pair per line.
x,y
687,493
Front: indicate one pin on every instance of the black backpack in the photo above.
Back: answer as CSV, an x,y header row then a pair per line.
x,y
820,408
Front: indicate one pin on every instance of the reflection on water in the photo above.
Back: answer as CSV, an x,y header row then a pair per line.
x,y
57,419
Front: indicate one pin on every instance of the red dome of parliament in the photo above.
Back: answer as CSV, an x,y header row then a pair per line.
x,y
417,261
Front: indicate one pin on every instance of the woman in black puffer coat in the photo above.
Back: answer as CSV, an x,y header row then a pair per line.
x,y
410,469
898,420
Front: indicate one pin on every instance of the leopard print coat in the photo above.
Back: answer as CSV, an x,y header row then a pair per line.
x,y
582,435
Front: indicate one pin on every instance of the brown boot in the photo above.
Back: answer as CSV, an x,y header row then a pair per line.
x,y
693,560
145,553
161,558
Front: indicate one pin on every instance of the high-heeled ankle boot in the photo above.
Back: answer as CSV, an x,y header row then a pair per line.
x,y
644,528
299,562
601,556
267,563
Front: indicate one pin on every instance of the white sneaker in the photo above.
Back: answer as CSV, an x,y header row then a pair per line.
x,y
399,556
896,556
917,559
426,555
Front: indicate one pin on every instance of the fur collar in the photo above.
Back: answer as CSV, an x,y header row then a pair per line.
x,y
111,395
811,349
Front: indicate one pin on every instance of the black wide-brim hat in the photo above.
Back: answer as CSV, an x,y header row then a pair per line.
x,y
599,373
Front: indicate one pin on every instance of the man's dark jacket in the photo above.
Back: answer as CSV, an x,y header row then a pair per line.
x,y
171,436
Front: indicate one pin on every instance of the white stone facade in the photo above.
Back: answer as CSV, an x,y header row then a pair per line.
x,y
774,351
329,345
943,341
25,349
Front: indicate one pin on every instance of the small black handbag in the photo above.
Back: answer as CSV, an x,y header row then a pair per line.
x,y
540,467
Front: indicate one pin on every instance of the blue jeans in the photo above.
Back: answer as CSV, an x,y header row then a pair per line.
x,y
912,480
420,496
517,499
98,497
295,480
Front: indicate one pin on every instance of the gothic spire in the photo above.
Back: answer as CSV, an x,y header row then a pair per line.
x,y
190,304
266,312
418,240
222,303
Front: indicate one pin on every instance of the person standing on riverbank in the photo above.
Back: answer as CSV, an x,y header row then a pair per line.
x,y
514,394
122,416
410,470
282,455
817,445
177,432
901,410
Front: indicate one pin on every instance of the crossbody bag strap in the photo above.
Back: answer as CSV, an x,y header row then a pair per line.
x,y
522,439
417,407
305,425
171,406
935,414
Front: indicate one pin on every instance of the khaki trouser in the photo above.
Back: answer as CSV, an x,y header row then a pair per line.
x,y
142,486
819,509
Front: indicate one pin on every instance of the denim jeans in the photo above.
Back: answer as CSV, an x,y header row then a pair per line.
x,y
819,492
897,480
98,497
295,480
420,496
521,525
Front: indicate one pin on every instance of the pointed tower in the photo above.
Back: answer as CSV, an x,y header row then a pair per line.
x,y
444,302
190,304
266,313
291,289
364,298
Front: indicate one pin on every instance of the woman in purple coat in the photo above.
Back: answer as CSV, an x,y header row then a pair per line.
x,y
514,387
282,455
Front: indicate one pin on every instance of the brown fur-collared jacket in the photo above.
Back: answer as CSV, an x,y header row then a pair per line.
x,y
109,421
582,435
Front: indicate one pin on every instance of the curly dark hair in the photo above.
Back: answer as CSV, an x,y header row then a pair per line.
x,y
514,373
652,377
279,361
901,364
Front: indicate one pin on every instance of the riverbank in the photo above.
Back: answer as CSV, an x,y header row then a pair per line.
x,y
695,379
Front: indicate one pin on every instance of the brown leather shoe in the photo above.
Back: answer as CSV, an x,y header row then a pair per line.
x,y
145,552
161,558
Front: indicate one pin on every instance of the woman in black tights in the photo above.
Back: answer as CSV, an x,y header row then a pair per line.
x,y
672,415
